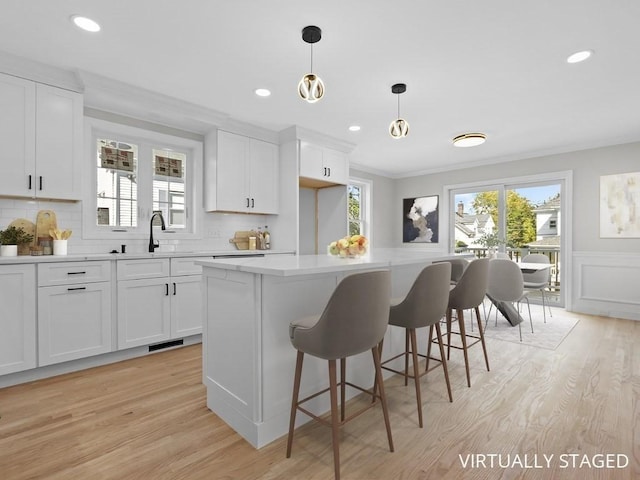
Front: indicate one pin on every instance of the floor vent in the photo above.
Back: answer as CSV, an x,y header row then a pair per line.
x,y
160,346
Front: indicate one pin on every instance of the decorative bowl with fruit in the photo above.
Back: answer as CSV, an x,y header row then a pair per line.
x,y
350,246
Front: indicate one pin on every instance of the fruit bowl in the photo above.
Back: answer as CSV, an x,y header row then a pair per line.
x,y
351,246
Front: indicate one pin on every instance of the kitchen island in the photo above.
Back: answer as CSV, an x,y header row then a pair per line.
x,y
248,360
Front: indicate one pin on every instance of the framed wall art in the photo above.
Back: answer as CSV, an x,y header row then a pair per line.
x,y
420,220
620,205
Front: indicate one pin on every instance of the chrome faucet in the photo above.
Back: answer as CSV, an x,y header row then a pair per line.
x,y
152,244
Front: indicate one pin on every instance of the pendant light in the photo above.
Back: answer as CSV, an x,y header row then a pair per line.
x,y
399,128
311,87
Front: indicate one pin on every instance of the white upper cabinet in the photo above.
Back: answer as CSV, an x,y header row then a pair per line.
x,y
41,134
245,176
324,164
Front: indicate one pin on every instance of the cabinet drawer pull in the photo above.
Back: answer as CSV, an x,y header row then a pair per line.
x,y
76,288
174,288
76,273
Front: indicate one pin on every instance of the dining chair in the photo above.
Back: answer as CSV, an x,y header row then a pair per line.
x,y
354,320
505,284
468,293
424,306
538,280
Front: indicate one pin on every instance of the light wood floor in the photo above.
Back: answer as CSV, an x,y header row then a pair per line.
x,y
147,419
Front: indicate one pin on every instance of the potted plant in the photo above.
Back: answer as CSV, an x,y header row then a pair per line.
x,y
11,238
491,241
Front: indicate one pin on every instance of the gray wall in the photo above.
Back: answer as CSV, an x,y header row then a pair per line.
x,y
384,209
587,167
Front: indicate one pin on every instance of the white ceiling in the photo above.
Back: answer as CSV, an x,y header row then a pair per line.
x,y
493,66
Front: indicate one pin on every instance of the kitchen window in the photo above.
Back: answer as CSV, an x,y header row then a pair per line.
x,y
137,173
358,214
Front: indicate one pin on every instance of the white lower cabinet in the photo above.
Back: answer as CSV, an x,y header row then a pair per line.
x,y
158,300
74,311
18,318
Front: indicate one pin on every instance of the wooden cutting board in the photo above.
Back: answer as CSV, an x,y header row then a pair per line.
x,y
241,239
28,227
45,221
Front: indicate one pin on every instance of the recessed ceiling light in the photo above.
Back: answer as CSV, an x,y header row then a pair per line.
x,y
469,140
262,92
579,56
354,128
85,23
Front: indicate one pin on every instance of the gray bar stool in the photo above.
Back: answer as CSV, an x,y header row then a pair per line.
x,y
424,306
468,293
354,321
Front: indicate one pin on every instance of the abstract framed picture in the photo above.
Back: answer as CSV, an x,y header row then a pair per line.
x,y
420,219
620,205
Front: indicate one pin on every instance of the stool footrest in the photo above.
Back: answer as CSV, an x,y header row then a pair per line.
x,y
326,422
406,374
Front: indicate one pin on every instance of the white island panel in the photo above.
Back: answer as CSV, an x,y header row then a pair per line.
x,y
249,361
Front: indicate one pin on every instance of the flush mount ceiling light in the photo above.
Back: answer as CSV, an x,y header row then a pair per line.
x,y
311,87
579,56
85,23
354,128
469,140
399,128
262,92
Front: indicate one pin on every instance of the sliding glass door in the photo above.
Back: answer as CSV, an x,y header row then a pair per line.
x,y
511,218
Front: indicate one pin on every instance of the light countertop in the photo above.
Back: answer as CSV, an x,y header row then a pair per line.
x,y
289,265
134,256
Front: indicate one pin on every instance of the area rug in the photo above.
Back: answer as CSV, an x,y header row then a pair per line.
x,y
546,335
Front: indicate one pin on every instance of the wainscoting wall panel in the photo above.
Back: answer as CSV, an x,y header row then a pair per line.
x,y
606,284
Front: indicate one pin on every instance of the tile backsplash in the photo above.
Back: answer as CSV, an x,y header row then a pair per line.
x,y
217,228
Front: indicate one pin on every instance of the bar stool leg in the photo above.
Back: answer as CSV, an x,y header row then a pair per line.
x,y
463,337
429,342
444,360
294,400
449,314
343,374
383,398
335,437
406,356
416,374
375,377
484,346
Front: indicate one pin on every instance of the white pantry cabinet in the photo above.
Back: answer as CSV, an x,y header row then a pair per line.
x,y
18,318
246,175
324,164
41,134
158,299
74,310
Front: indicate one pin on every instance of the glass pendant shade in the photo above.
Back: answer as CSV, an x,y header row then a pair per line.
x,y
399,128
311,88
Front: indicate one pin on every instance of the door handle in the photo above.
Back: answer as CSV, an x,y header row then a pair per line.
x,y
174,288
40,182
329,170
252,202
29,182
166,289
247,202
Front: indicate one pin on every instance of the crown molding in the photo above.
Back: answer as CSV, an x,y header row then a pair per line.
x,y
39,72
117,97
